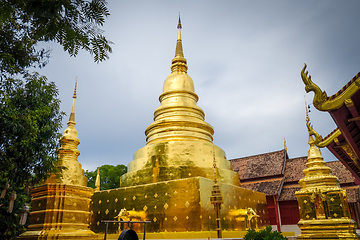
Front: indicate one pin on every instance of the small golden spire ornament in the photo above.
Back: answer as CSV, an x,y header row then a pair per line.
x,y
97,182
216,199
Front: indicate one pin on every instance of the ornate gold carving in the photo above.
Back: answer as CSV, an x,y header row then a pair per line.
x,y
187,217
134,198
154,219
166,206
99,201
187,204
320,96
348,102
312,132
145,208
116,200
175,218
106,211
349,151
324,103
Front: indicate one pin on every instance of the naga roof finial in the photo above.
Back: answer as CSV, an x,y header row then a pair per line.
x,y
320,96
310,128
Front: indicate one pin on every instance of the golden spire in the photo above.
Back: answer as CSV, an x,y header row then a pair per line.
x,y
179,117
285,147
179,62
68,153
72,114
97,182
179,137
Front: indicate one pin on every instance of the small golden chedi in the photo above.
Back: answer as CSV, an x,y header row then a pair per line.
x,y
323,206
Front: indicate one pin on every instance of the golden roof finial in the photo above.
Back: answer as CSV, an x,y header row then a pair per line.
x,y
314,152
74,95
72,114
308,124
179,24
179,62
285,147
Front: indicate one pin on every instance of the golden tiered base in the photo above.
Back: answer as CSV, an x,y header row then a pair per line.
x,y
179,206
343,228
60,211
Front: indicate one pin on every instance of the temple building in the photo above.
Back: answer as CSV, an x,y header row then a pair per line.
x,y
60,206
170,180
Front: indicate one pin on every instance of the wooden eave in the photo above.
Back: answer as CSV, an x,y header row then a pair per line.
x,y
346,147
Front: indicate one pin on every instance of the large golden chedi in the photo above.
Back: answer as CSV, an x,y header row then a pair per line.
x,y
179,141
323,205
60,207
170,180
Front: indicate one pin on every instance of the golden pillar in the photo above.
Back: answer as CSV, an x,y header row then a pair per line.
x,y
60,207
323,205
170,180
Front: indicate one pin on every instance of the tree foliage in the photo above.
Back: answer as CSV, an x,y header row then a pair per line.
x,y
30,119
265,234
109,176
30,116
72,23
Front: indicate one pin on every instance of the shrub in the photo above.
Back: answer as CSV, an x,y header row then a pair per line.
x,y
265,234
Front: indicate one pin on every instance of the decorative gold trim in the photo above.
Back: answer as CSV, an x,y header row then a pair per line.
x,y
324,103
320,96
332,137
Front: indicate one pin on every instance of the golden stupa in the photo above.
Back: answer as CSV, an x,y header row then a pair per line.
x,y
323,206
60,207
170,180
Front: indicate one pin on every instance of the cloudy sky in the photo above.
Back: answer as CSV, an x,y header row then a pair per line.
x,y
245,58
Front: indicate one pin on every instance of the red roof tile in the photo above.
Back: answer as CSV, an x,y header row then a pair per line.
x,y
270,187
353,194
339,170
294,169
262,165
288,193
